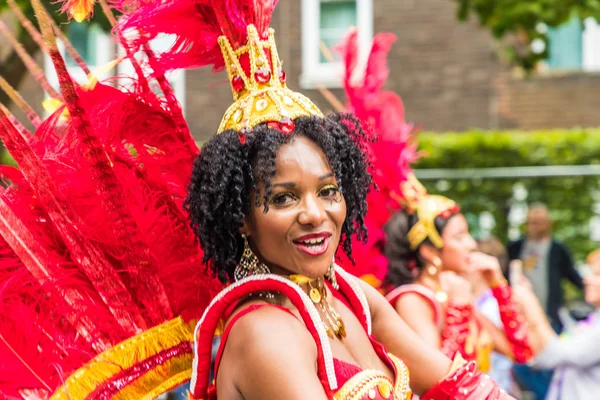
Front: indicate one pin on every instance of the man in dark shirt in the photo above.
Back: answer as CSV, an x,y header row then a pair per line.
x,y
546,263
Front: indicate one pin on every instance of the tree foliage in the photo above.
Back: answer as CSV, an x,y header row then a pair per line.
x,y
524,21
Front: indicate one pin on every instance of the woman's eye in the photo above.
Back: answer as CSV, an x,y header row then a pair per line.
x,y
330,191
281,199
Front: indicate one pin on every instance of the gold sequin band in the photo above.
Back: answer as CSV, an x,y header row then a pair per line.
x,y
141,367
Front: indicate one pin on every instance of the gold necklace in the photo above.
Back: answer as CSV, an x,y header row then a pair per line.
x,y
440,295
331,320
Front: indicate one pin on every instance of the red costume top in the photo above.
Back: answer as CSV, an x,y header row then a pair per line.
x,y
341,380
462,332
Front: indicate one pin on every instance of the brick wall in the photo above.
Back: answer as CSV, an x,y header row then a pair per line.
x,y
443,69
549,101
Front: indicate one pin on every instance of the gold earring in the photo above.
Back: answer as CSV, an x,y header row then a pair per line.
x,y
435,268
249,264
331,274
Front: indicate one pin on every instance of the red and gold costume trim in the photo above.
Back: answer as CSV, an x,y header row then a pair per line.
x,y
370,384
142,367
206,327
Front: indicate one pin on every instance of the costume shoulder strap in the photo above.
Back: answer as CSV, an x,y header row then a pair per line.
x,y
350,288
419,290
206,327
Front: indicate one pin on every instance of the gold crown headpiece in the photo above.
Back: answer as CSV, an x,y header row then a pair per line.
x,y
258,83
428,208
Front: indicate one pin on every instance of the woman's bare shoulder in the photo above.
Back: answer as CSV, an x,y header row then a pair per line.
x,y
266,350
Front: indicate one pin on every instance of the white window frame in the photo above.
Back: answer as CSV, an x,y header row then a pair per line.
x,y
105,53
315,73
177,77
591,46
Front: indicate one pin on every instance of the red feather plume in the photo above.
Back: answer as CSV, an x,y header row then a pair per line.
x,y
196,26
392,153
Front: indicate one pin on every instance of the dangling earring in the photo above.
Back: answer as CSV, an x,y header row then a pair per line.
x,y
331,275
435,268
249,263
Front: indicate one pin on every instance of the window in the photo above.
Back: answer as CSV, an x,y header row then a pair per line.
x,y
93,44
97,48
574,46
334,20
324,24
591,45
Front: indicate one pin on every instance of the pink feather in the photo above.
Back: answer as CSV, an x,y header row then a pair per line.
x,y
392,153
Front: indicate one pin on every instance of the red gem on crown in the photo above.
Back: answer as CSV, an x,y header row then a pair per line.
x,y
263,75
446,214
243,135
282,75
287,125
237,83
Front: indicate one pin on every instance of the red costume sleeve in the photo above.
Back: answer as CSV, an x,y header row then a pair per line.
x,y
465,383
456,330
514,323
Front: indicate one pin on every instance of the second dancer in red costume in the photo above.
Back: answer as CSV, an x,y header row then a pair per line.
x,y
419,244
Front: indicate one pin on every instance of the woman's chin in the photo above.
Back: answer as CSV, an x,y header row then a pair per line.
x,y
314,271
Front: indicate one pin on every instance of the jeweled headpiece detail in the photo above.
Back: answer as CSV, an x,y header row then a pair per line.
x,y
258,83
428,208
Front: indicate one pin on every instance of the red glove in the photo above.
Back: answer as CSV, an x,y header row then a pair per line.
x,y
514,323
456,330
465,383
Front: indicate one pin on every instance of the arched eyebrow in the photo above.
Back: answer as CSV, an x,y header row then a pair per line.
x,y
285,184
292,184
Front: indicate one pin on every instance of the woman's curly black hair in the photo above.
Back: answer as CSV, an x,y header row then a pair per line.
x,y
405,263
226,172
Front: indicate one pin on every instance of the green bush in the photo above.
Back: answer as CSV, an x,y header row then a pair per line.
x,y
5,157
571,200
